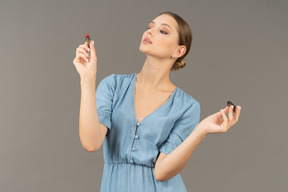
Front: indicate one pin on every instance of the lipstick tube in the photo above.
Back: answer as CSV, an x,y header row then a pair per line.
x,y
88,42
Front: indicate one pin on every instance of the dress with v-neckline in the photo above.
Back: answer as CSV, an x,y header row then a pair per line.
x,y
161,106
131,149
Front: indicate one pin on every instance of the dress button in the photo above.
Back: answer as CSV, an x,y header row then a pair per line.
x,y
131,161
138,123
136,136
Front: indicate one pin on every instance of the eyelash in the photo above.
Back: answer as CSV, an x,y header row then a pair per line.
x,y
160,31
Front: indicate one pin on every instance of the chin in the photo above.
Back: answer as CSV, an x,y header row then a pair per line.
x,y
142,49
152,52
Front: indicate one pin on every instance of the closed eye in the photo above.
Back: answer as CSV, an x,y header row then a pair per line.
x,y
164,32
161,31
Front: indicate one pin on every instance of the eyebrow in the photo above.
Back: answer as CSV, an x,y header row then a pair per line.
x,y
162,24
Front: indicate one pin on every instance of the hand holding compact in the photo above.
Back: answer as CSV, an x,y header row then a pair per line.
x,y
218,122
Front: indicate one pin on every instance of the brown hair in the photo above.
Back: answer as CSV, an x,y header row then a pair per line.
x,y
185,38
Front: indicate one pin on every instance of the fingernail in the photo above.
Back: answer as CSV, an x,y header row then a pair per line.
x,y
92,42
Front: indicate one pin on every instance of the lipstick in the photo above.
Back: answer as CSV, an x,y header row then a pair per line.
x,y
88,40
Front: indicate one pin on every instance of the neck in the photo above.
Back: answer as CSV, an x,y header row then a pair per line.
x,y
154,74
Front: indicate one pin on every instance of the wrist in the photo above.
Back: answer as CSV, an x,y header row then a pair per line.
x,y
88,80
88,83
200,131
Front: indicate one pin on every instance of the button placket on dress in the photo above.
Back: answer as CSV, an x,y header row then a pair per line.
x,y
135,136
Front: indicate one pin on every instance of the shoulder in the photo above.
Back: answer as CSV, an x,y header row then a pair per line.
x,y
116,82
115,78
185,97
123,76
185,101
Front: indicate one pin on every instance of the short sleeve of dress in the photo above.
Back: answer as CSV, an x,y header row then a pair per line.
x,y
104,100
182,128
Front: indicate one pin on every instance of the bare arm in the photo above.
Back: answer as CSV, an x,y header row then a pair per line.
x,y
91,132
168,166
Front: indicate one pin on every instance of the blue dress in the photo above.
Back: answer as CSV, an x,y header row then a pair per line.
x,y
130,148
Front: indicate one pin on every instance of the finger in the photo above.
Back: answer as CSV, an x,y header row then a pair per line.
x,y
83,56
77,60
230,114
237,113
82,50
226,109
85,46
225,119
93,51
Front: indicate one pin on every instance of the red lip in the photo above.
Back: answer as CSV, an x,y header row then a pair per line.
x,y
147,40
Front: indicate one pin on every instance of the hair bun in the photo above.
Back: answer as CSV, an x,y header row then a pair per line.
x,y
179,64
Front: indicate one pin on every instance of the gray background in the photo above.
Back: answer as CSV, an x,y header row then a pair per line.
x,y
239,53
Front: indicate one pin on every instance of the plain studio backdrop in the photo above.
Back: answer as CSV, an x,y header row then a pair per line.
x,y
239,53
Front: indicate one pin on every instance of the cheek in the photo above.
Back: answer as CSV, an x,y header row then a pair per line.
x,y
167,43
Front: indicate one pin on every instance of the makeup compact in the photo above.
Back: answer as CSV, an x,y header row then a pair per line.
x,y
230,103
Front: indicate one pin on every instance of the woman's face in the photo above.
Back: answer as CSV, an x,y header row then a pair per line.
x,y
163,35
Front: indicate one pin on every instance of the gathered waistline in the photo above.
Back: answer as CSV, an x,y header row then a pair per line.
x,y
130,164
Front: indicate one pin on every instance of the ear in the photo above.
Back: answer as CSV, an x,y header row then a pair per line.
x,y
181,50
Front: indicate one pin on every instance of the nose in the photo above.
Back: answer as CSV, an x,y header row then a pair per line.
x,y
149,31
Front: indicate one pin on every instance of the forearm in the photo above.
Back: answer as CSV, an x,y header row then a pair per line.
x,y
89,130
176,160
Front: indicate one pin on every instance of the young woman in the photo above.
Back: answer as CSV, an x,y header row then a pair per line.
x,y
148,126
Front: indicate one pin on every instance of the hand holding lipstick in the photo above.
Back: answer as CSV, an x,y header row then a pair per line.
x,y
85,63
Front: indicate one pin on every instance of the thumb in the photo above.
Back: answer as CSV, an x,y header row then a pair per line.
x,y
92,50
